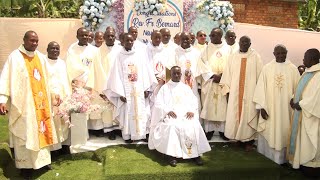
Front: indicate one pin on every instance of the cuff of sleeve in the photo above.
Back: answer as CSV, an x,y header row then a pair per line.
x,y
3,99
207,76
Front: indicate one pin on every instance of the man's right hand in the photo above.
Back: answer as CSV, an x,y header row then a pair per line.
x,y
3,109
264,114
172,115
123,99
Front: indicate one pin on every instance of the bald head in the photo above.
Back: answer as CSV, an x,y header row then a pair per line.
x,y
185,40
82,36
98,38
30,41
177,39
156,38
216,35
165,35
134,32
230,37
175,73
53,50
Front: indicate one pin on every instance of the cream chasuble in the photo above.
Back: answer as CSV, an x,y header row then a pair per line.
x,y
180,137
273,92
214,103
200,47
108,56
130,77
187,60
30,122
304,136
59,85
84,64
239,79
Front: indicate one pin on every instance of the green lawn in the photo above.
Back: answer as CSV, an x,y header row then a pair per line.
x,y
225,161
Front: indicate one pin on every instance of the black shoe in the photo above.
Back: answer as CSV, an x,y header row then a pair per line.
x,y
99,133
48,167
173,162
223,136
112,136
26,173
198,161
209,135
129,141
65,150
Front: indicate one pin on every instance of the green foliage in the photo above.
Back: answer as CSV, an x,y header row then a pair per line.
x,y
309,15
40,8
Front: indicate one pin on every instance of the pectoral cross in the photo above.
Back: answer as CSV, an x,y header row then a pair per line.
x,y
136,117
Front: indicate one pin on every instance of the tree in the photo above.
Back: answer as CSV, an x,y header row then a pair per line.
x,y
309,15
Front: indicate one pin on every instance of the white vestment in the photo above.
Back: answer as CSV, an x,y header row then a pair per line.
x,y
242,116
108,56
187,60
180,137
130,77
200,47
170,50
307,146
16,90
157,58
59,84
234,48
84,64
214,103
273,93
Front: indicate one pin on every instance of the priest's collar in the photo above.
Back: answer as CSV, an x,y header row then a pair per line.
x,y
156,48
184,50
250,50
313,68
52,60
217,45
173,83
23,50
124,51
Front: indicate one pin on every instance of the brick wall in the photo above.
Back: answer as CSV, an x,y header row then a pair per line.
x,y
275,13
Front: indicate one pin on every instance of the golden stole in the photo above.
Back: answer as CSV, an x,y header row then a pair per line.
x,y
242,83
41,103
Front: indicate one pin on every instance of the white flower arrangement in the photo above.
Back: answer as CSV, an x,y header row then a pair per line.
x,y
218,11
153,7
91,12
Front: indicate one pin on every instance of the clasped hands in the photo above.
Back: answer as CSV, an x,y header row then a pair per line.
x,y
295,105
146,95
173,115
216,78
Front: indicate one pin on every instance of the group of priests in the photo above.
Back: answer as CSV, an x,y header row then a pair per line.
x,y
174,95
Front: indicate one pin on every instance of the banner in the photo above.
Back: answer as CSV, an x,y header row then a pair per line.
x,y
170,17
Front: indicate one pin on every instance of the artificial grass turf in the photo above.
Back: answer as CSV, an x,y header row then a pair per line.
x,y
225,161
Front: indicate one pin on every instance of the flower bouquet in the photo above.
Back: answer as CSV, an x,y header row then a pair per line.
x,y
153,7
91,12
218,11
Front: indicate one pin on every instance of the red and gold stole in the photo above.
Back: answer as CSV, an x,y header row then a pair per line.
x,y
242,83
39,93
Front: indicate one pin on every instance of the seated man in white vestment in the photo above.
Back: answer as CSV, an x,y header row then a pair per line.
x,y
129,85
27,96
175,127
84,67
304,137
59,85
275,88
